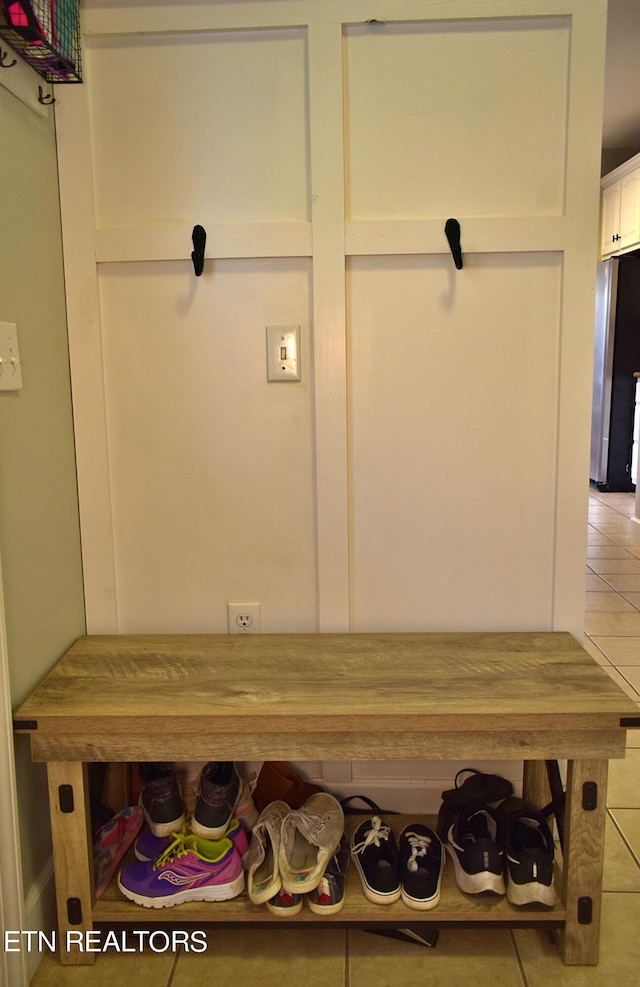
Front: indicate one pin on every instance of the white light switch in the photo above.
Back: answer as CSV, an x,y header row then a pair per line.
x,y
10,369
283,352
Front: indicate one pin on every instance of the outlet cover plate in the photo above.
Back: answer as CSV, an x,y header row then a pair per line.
x,y
244,618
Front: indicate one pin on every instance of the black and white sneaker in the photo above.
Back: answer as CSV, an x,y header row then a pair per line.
x,y
530,851
421,865
375,854
475,843
471,787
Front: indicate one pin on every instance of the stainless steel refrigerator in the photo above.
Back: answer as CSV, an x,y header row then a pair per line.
x,y
616,358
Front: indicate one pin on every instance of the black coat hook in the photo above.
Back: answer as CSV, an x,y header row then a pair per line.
x,y
199,237
47,99
452,230
4,55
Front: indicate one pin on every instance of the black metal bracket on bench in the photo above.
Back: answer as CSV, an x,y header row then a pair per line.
x,y
74,911
558,798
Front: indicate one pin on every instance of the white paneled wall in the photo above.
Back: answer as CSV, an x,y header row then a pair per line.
x,y
453,389
212,468
429,472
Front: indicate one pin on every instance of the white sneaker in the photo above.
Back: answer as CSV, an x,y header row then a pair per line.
x,y
309,839
263,873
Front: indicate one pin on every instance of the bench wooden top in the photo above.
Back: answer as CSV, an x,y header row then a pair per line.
x,y
109,690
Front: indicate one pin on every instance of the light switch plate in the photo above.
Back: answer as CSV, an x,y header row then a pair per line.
x,y
283,353
10,367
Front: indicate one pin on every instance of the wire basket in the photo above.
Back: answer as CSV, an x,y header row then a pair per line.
x,y
46,34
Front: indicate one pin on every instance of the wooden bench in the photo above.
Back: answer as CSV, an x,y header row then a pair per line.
x,y
531,697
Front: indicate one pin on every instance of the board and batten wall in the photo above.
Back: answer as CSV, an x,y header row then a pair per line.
x,y
429,471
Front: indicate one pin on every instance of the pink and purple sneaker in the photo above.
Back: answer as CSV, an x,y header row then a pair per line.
x,y
112,842
190,869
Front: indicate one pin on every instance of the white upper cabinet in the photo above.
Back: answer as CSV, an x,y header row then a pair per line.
x,y
620,225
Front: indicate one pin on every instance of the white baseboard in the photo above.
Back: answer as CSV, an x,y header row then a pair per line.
x,y
40,911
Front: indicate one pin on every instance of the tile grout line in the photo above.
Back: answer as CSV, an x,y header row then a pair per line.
x,y
623,837
347,958
518,959
174,967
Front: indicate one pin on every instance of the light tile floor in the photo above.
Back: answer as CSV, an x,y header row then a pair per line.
x,y
504,958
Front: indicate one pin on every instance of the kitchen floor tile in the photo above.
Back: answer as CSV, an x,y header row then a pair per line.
x,y
628,822
266,957
607,603
619,950
619,650
632,675
629,566
144,969
461,957
611,551
592,649
596,584
613,625
622,583
595,537
621,871
623,786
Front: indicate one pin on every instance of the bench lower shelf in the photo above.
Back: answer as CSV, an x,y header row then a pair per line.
x,y
453,908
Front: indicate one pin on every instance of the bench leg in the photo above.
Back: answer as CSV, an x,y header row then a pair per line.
x,y
535,784
72,858
583,860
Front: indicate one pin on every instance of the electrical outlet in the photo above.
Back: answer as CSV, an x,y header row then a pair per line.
x,y
244,618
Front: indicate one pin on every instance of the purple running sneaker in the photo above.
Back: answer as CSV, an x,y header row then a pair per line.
x,y
150,847
190,869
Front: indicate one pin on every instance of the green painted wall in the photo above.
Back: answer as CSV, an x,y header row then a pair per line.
x,y
39,528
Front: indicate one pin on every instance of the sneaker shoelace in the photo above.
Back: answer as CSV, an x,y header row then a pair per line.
x,y
310,823
182,843
379,831
419,844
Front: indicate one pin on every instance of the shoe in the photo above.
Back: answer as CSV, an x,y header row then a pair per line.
x,y
422,860
375,853
112,842
263,870
190,869
284,904
328,897
475,843
218,793
308,840
150,847
477,789
245,809
530,851
160,798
